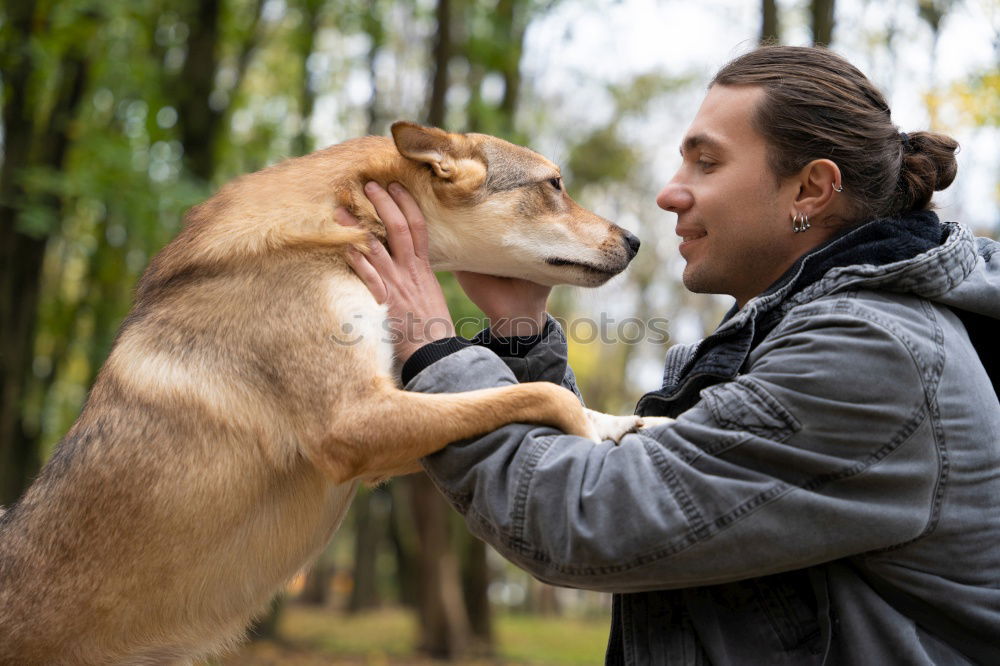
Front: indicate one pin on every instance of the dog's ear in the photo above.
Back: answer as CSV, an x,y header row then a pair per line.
x,y
429,145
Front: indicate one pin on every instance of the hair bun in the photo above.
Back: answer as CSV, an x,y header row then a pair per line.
x,y
928,164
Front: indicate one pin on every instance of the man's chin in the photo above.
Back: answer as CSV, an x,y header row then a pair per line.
x,y
693,281
698,283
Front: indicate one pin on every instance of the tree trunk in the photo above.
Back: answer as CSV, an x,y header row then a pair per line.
x,y
22,253
476,583
441,55
512,29
444,625
20,258
821,12
373,27
316,588
368,529
769,26
198,123
405,542
303,143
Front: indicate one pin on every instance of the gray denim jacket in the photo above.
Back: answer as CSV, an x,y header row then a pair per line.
x,y
828,494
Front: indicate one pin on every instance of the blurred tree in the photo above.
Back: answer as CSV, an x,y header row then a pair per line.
x,y
488,41
303,40
444,620
370,524
769,25
191,89
821,15
933,13
46,61
440,61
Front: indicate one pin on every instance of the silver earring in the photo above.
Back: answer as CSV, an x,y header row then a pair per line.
x,y
837,188
800,222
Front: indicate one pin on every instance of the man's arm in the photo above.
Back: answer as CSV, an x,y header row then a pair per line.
x,y
803,459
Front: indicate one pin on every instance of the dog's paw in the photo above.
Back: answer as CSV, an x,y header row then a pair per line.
x,y
653,421
607,426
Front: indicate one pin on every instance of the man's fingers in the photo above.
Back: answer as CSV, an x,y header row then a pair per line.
x,y
380,259
361,266
364,270
411,212
396,228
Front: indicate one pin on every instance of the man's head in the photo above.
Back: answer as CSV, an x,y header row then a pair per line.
x,y
781,131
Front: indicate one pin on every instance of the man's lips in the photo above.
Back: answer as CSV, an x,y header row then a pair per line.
x,y
690,236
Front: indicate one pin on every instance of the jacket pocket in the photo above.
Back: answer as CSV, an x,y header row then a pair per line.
x,y
746,406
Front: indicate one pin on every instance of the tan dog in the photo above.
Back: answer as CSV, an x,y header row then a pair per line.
x,y
224,437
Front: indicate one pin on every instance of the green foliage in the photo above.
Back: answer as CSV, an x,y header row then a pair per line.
x,y
602,157
978,98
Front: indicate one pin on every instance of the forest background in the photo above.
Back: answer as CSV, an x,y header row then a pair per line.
x,y
118,116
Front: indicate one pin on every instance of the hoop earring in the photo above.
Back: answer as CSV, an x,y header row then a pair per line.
x,y
838,189
800,222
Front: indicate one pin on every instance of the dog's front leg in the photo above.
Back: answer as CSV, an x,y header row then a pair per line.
x,y
388,429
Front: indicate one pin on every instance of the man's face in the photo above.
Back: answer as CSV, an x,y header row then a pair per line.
x,y
734,216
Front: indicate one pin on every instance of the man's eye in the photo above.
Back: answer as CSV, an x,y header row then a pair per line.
x,y
556,183
705,165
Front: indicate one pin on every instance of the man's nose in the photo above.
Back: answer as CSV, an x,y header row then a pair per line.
x,y
674,197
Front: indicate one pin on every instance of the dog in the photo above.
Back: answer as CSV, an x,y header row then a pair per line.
x,y
226,433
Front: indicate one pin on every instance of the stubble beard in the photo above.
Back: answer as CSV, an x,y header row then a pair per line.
x,y
698,281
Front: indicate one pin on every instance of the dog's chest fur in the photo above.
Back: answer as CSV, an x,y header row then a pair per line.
x,y
360,324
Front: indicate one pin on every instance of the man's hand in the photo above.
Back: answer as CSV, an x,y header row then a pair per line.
x,y
402,277
514,306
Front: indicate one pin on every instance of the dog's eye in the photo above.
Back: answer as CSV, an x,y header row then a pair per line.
x,y
556,183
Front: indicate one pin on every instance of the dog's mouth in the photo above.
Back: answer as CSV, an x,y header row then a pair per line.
x,y
590,268
593,275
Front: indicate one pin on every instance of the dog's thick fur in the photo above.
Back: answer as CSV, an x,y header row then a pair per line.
x,y
250,388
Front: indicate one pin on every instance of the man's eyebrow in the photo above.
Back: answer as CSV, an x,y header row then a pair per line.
x,y
699,141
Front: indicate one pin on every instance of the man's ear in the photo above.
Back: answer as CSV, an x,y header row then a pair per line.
x,y
429,145
818,184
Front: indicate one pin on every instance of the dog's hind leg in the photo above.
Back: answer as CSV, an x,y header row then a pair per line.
x,y
387,429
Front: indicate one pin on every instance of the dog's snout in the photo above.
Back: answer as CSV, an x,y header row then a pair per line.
x,y
632,242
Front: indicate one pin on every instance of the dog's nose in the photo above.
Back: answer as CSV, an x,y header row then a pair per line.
x,y
632,242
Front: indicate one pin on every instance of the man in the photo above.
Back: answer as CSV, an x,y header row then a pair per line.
x,y
828,491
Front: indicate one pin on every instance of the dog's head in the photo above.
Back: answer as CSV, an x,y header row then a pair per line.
x,y
497,208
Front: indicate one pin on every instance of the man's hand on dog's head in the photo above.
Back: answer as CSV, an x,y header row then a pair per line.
x,y
401,277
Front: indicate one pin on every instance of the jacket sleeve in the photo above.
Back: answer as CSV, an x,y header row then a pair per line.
x,y
801,460
544,360
540,357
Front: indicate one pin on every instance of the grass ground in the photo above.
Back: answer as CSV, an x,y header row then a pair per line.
x,y
388,638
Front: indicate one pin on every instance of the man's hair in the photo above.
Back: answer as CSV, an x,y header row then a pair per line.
x,y
817,105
